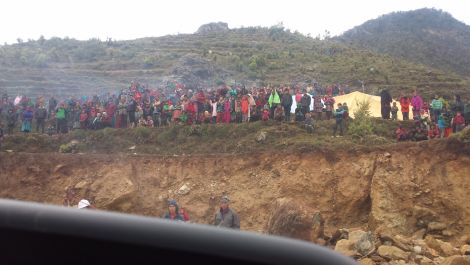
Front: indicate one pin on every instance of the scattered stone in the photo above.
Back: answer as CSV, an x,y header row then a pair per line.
x,y
387,154
359,243
423,260
338,235
261,137
398,241
419,234
444,248
456,260
436,226
183,190
366,261
132,147
465,250
392,253
417,249
345,247
80,185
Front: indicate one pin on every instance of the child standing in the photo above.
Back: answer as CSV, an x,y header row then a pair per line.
x,y
394,111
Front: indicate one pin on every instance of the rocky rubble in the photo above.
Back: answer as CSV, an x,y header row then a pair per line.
x,y
368,248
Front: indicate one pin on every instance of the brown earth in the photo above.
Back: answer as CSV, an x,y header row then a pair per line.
x,y
399,190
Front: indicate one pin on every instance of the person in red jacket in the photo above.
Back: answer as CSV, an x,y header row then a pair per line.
x,y
458,121
405,107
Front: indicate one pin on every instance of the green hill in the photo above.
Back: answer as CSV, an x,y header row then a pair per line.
x,y
426,36
254,55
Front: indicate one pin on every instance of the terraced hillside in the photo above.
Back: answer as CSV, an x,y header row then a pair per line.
x,y
250,56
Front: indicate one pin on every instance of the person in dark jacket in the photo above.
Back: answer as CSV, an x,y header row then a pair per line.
x,y
173,212
226,217
385,100
1,134
305,103
286,102
40,115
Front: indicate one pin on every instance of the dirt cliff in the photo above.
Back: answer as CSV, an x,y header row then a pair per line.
x,y
398,189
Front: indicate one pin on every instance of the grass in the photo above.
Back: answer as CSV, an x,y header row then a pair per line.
x,y
220,138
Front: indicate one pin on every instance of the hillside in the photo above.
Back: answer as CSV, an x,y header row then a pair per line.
x,y
213,55
426,36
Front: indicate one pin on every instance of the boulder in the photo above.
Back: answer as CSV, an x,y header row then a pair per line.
x,y
436,226
465,250
345,247
456,260
292,219
214,27
359,243
392,253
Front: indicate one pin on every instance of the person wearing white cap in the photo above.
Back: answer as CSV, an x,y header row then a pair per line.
x,y
226,217
85,204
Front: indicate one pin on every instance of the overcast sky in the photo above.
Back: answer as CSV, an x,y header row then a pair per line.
x,y
130,19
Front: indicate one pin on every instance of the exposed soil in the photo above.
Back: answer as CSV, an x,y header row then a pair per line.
x,y
399,190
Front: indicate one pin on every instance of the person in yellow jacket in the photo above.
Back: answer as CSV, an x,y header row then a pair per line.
x,y
273,101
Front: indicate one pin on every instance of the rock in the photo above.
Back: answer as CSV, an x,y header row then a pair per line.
x,y
387,155
398,241
392,253
423,260
436,226
318,229
456,260
80,185
345,247
365,243
419,234
465,250
359,243
444,248
417,249
213,28
465,239
261,137
366,261
183,190
338,235
132,147
292,219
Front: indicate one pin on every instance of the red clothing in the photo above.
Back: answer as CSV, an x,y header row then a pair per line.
x,y
458,119
83,117
245,105
405,104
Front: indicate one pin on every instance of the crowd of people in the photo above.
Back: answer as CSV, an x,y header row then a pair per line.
x,y
224,217
140,106
437,118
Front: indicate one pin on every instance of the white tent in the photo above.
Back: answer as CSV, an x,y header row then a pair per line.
x,y
353,98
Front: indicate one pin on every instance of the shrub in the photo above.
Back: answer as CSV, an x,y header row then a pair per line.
x,y
361,126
